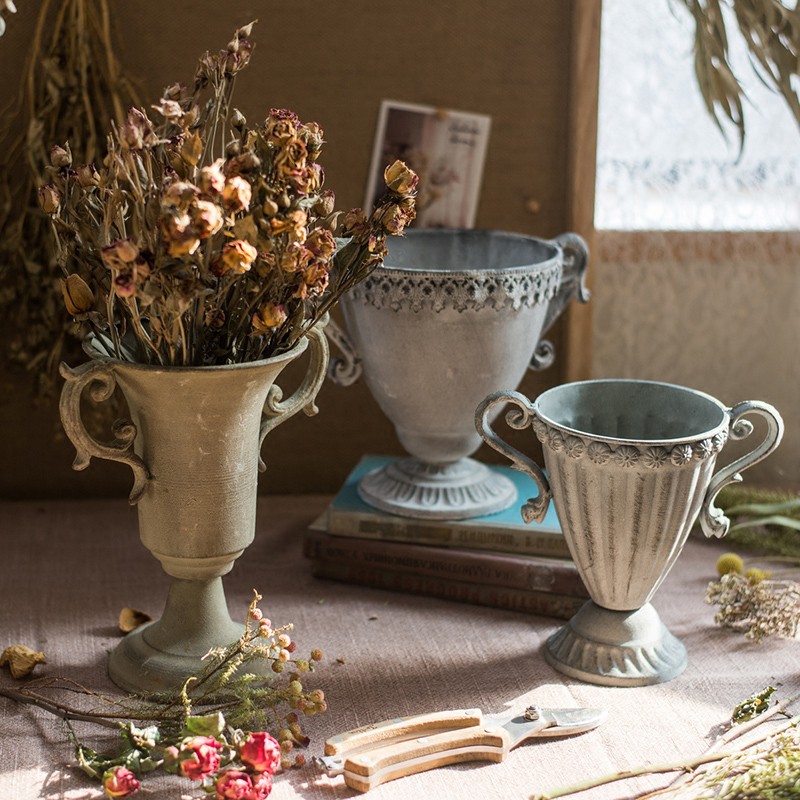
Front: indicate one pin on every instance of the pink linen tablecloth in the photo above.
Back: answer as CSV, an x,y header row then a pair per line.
x,y
67,568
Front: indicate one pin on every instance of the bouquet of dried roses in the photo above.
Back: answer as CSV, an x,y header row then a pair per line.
x,y
203,240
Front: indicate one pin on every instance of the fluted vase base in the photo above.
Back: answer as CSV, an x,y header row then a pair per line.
x,y
464,489
616,648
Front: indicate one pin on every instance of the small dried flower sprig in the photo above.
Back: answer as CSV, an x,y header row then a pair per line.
x,y
205,240
243,736
754,600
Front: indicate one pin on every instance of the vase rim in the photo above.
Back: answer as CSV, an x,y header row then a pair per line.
x,y
696,435
469,237
298,348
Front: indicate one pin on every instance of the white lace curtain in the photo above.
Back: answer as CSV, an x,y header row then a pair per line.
x,y
697,252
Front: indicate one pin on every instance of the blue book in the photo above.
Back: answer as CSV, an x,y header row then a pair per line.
x,y
349,515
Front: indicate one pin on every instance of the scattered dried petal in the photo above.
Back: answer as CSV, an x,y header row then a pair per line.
x,y
21,660
131,618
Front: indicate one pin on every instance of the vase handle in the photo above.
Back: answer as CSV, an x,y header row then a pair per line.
x,y
99,377
712,519
572,285
276,409
346,369
535,508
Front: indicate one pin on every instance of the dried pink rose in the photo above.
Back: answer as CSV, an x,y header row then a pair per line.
x,y
199,756
124,285
206,218
60,156
261,753
233,784
237,256
321,243
400,178
49,199
179,194
237,194
119,782
212,180
137,131
120,254
88,175
262,786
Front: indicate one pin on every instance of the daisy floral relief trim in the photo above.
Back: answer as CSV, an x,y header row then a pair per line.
x,y
627,455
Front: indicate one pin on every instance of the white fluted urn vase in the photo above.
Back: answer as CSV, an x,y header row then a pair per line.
x,y
193,443
630,466
451,315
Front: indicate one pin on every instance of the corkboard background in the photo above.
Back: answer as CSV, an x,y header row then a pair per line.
x,y
334,62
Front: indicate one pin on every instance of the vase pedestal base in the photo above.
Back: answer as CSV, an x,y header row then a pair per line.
x,y
464,489
616,648
161,655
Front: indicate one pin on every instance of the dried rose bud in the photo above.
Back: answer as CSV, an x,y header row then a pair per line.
x,y
49,199
237,194
124,285
270,208
21,660
212,180
325,203
78,297
206,218
238,119
88,175
60,156
215,318
354,222
137,131
177,91
192,149
179,194
400,178
267,318
321,243
169,109
119,781
395,217
119,254
237,256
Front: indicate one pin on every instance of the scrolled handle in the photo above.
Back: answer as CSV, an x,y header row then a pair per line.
x,y
346,369
712,519
98,376
572,285
520,418
278,410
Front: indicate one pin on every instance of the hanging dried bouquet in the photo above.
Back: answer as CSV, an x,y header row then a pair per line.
x,y
203,240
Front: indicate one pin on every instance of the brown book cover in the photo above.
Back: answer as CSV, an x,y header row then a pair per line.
x,y
510,570
547,604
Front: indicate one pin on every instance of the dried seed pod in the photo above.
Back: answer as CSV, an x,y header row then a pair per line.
x,y
78,297
21,660
132,618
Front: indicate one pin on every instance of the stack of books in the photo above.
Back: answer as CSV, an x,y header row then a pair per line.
x,y
496,560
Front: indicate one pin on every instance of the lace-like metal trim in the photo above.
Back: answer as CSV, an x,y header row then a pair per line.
x,y
414,291
627,455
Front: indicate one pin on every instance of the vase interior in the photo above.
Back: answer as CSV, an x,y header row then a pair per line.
x,y
449,250
629,410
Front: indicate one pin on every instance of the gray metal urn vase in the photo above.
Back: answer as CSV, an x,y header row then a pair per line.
x,y
193,444
630,467
450,316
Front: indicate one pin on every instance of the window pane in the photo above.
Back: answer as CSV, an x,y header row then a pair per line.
x,y
662,162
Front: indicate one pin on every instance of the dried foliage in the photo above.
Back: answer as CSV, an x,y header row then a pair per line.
x,y
206,727
756,758
771,31
72,86
202,240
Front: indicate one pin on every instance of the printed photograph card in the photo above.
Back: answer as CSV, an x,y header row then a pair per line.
x,y
446,148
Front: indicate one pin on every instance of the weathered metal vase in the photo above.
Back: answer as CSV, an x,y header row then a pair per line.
x,y
450,316
193,444
630,466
